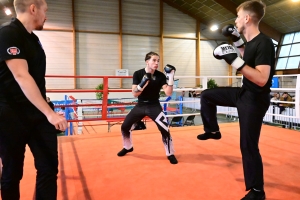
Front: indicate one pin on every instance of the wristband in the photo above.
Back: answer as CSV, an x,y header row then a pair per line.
x,y
240,43
138,89
238,63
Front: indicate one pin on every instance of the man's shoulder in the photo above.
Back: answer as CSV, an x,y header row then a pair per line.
x,y
9,29
262,37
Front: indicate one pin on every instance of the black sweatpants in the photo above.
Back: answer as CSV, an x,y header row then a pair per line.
x,y
251,107
155,112
21,125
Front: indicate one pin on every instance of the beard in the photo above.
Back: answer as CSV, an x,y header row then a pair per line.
x,y
39,27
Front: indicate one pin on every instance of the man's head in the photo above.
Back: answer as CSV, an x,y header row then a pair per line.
x,y
249,12
35,11
285,94
152,60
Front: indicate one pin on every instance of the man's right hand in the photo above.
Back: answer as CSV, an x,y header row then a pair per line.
x,y
58,121
147,77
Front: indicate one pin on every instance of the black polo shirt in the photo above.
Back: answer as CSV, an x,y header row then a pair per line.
x,y
259,51
151,92
17,43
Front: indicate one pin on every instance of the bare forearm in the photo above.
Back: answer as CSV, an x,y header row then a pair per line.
x,y
33,94
168,90
256,76
135,91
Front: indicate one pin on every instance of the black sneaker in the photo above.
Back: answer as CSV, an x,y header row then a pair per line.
x,y
172,159
124,151
209,135
255,195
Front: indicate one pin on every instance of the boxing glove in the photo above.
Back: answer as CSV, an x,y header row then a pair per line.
x,y
170,71
146,77
229,54
231,31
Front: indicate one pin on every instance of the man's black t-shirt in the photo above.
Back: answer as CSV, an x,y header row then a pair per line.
x,y
152,90
259,51
17,43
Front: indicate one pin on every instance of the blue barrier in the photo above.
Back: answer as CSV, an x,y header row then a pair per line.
x,y
275,82
66,110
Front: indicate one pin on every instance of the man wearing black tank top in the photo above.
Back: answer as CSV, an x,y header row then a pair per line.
x,y
252,100
147,83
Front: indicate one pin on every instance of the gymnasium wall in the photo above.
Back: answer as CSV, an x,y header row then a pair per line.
x,y
102,36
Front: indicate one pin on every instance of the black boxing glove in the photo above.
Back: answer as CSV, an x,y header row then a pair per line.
x,y
146,77
170,71
231,31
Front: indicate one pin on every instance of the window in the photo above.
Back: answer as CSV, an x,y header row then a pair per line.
x,y
288,38
281,64
285,50
293,63
289,54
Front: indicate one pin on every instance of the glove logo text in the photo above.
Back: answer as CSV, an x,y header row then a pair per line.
x,y
227,49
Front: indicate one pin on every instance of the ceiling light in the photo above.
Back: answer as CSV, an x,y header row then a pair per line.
x,y
7,11
295,0
214,27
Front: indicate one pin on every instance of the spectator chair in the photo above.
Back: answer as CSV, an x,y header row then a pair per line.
x,y
189,121
176,121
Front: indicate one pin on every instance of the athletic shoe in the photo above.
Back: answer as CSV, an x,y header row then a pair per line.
x,y
255,195
124,151
172,159
209,135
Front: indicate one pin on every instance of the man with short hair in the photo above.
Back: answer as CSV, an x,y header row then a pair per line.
x,y
252,100
25,116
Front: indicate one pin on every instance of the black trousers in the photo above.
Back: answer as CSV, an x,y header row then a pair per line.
x,y
155,112
21,125
251,107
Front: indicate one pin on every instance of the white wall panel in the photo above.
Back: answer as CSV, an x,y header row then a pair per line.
x,y
134,50
59,15
97,15
181,54
141,17
209,65
178,24
97,55
59,53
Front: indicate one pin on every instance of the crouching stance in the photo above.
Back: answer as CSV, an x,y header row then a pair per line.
x,y
147,83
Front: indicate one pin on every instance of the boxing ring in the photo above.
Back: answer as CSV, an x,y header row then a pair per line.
x,y
81,113
90,169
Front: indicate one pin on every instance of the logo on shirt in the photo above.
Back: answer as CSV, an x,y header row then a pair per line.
x,y
13,51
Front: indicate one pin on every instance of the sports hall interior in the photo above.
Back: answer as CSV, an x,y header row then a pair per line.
x,y
99,42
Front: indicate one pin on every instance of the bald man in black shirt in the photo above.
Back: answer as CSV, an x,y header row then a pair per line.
x,y
25,116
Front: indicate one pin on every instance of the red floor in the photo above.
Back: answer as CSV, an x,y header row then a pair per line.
x,y
207,170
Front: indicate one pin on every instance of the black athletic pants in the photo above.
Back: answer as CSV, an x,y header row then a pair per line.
x,y
21,125
251,110
155,112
